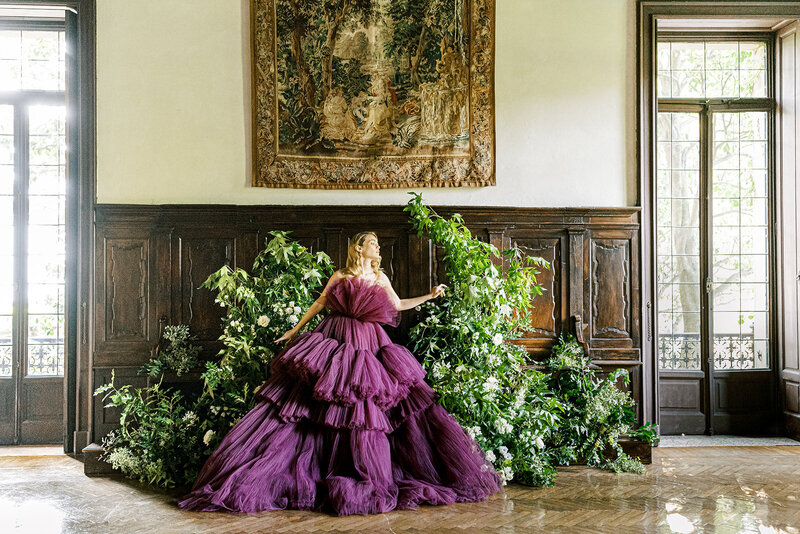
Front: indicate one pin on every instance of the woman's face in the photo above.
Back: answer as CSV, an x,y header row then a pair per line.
x,y
370,249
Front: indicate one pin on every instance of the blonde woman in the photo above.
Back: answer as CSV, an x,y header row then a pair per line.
x,y
346,423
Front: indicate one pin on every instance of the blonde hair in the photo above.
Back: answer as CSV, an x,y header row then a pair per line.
x,y
353,265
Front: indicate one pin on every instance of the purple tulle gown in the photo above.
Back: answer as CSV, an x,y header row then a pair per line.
x,y
345,424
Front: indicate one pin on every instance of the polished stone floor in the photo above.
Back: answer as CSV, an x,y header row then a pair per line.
x,y
706,489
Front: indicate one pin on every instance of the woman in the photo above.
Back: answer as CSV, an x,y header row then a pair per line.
x,y
346,423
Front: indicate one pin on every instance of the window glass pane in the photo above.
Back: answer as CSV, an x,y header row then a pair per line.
x,y
42,61
46,179
46,247
32,60
10,55
740,240
721,69
6,189
678,235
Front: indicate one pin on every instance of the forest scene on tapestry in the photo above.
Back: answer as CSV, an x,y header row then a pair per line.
x,y
361,78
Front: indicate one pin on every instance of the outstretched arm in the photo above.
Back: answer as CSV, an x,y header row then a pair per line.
x,y
407,304
316,307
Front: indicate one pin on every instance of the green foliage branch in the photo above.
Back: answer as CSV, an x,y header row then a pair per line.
x,y
527,421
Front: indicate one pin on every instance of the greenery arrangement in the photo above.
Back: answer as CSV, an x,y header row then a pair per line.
x,y
179,355
527,421
595,411
164,436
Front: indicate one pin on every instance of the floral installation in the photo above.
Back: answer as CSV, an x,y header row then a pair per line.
x,y
527,421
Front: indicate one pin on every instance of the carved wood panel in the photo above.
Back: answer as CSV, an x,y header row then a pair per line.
x,y
199,257
127,281
610,278
547,311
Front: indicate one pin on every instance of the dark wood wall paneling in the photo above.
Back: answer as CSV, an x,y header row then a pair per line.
x,y
151,260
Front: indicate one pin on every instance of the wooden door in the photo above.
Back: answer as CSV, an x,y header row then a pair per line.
x,y
32,288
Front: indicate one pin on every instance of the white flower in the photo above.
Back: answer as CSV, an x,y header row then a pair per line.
x,y
491,384
208,436
505,309
502,426
539,442
490,456
438,370
507,474
504,451
190,417
263,321
417,308
460,368
297,309
291,303
293,319
474,431
288,310
497,339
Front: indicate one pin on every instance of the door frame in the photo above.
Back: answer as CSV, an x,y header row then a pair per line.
x,y
81,198
648,12
712,417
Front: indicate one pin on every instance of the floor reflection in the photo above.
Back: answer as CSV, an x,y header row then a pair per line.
x,y
686,490
32,515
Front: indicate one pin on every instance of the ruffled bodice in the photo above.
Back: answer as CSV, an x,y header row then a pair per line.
x,y
347,372
357,298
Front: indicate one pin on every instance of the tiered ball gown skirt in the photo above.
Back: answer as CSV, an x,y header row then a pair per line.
x,y
345,424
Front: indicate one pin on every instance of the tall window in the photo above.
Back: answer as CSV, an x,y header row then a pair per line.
x,y
32,201
713,202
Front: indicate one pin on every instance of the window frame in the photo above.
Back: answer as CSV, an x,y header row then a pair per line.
x,y
80,23
648,13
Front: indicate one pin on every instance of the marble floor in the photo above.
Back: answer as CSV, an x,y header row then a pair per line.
x,y
700,489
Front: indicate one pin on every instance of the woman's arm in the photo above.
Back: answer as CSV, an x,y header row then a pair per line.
x,y
407,304
314,309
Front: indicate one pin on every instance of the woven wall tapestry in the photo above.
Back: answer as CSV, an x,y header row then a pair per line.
x,y
368,94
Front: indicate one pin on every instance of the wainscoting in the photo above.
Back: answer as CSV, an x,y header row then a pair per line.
x,y
151,260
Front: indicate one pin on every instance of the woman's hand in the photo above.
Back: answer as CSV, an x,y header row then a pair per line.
x,y
288,335
437,291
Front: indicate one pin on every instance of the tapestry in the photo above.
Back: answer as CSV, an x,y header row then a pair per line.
x,y
351,94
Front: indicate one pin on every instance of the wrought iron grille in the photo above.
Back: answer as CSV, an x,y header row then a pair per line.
x,y
46,356
5,359
731,351
679,351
